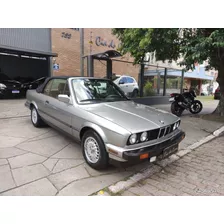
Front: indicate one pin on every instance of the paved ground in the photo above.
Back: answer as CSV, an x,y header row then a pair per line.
x,y
44,162
200,172
13,108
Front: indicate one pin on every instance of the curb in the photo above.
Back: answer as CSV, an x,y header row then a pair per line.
x,y
157,166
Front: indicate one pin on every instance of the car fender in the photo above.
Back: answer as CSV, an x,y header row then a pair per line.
x,y
96,128
33,103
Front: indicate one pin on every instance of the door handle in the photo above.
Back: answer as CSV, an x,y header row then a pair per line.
x,y
46,102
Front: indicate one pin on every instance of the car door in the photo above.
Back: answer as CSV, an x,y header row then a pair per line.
x,y
123,84
130,84
43,108
60,112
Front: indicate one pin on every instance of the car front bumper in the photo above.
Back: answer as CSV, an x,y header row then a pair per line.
x,y
160,150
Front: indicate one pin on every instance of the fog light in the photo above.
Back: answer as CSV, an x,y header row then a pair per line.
x,y
144,136
133,139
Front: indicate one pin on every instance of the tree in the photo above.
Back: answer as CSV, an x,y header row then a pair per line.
x,y
193,45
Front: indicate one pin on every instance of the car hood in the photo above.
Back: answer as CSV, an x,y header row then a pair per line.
x,y
10,82
132,116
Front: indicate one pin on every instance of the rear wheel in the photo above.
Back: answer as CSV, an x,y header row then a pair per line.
x,y
35,118
176,109
196,107
94,150
135,93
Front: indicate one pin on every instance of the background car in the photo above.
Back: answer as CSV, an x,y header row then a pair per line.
x,y
127,84
217,94
9,87
32,84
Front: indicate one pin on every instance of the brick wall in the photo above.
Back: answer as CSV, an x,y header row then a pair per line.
x,y
69,52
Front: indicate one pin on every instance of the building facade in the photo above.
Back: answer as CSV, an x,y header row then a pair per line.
x,y
192,79
66,43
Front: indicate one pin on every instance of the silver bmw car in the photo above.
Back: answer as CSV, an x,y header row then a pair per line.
x,y
109,126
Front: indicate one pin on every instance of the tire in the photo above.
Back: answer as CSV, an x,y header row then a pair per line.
x,y
35,118
135,93
100,159
176,109
199,105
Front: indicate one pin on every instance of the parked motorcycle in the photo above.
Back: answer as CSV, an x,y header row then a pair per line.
x,y
185,101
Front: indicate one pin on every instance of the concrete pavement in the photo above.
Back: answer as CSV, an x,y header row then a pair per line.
x,y
13,108
45,162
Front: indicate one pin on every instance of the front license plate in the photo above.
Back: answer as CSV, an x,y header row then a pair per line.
x,y
171,99
15,91
152,159
169,151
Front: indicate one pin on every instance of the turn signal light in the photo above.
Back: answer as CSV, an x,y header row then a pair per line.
x,y
113,151
144,156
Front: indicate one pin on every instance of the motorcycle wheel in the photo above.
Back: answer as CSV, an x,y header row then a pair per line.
x,y
196,107
176,109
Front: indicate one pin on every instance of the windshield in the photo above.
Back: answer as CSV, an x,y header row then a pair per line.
x,y
96,90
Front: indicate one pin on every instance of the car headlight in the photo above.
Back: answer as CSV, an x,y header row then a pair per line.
x,y
175,126
144,136
2,86
133,139
178,124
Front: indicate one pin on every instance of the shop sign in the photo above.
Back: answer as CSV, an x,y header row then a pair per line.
x,y
101,42
66,35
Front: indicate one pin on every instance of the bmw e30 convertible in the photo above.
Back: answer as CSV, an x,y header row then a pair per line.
x,y
110,126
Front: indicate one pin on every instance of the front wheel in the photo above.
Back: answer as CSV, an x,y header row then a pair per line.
x,y
135,93
196,107
94,151
176,109
35,118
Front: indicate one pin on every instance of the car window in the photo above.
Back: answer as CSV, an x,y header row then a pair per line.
x,y
48,88
130,80
66,90
57,87
124,80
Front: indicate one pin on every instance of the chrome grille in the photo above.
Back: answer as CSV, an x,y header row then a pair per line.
x,y
164,131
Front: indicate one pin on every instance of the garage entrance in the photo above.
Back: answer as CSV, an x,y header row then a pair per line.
x,y
25,66
19,70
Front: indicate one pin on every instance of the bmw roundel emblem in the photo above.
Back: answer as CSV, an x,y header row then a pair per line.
x,y
162,122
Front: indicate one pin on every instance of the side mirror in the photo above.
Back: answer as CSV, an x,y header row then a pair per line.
x,y
64,98
121,82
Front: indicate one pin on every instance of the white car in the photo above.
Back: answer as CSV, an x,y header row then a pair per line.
x,y
127,84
